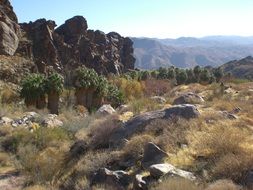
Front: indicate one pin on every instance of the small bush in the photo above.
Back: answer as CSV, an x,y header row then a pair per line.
x,y
41,138
38,187
131,88
9,96
225,149
223,185
176,184
154,87
144,104
40,167
4,159
134,148
170,134
101,130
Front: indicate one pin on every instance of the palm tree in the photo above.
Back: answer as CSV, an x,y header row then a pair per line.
x,y
33,90
54,87
101,91
85,81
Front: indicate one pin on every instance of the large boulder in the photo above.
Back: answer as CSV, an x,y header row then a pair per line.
x,y
188,98
153,155
137,124
159,170
118,179
9,29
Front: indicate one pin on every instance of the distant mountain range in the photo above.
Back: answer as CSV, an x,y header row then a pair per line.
x,y
185,52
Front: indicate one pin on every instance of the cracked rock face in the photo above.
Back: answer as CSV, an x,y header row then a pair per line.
x,y
72,45
9,29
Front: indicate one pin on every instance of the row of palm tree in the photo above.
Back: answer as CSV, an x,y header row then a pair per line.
x,y
90,89
36,86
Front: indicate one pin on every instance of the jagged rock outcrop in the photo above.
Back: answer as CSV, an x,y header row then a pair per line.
x,y
9,29
71,45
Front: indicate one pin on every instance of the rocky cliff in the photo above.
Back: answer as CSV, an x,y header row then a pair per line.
x,y
72,44
9,29
66,47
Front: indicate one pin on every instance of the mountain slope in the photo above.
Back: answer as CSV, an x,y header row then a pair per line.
x,y
240,68
189,52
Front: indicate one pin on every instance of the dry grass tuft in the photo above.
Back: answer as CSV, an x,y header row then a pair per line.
x,y
100,131
134,148
176,184
223,185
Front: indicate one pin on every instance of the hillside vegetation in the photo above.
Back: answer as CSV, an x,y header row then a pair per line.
x,y
190,135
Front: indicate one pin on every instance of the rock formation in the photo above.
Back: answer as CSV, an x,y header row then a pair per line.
x,y
9,29
71,45
66,47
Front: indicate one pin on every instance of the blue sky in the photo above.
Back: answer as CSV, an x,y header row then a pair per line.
x,y
147,18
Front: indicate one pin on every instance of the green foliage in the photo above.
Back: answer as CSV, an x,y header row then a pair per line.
x,y
197,71
171,73
162,73
54,83
205,76
181,77
102,86
218,74
40,138
115,96
86,78
33,87
191,76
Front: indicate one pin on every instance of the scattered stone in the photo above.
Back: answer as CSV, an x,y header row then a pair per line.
x,y
118,179
5,121
26,120
51,121
152,155
106,109
159,99
236,110
123,109
188,98
228,115
139,183
159,170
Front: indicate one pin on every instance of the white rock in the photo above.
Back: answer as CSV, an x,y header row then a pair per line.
x,y
106,109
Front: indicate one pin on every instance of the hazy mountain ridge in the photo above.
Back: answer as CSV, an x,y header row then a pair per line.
x,y
151,53
240,68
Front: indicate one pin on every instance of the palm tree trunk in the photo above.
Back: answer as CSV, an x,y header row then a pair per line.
x,y
53,102
30,103
97,101
89,98
41,102
80,97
